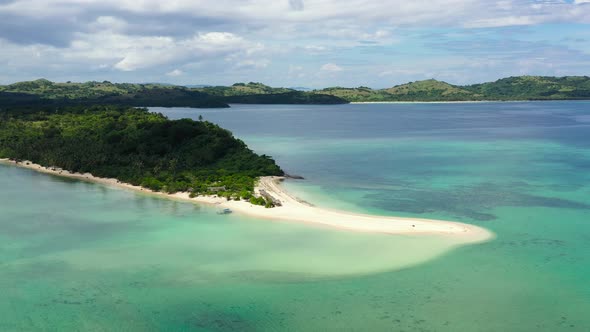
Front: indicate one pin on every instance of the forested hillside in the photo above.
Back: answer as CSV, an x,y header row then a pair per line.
x,y
135,146
258,93
512,88
44,92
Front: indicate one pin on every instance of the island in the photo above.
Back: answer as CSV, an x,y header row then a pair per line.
x,y
519,88
43,92
183,159
135,146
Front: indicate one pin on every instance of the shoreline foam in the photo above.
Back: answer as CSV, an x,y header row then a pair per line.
x,y
294,209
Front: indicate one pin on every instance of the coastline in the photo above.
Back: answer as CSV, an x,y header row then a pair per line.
x,y
465,101
437,102
296,210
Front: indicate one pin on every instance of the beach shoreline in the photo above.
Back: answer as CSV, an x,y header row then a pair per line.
x,y
295,210
467,101
438,102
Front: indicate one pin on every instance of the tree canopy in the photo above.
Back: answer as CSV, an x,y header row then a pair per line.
x,y
135,146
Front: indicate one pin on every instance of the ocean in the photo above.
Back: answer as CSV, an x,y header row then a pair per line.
x,y
82,256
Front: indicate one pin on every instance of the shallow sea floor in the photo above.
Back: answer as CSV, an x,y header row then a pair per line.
x,y
77,255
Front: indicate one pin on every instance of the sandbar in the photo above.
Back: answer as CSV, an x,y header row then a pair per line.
x,y
295,210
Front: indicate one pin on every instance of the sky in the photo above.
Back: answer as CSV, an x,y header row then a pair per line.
x,y
292,43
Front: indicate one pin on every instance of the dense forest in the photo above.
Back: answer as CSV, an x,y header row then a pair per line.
x,y
136,147
512,88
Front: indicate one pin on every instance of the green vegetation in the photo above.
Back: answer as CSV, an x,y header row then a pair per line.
x,y
43,92
428,90
513,88
258,93
293,97
136,147
535,88
242,89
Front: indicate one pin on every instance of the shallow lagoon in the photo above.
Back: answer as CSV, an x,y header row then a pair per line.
x,y
79,256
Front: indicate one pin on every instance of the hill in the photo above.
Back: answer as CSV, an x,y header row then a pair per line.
x,y
44,92
512,88
258,93
242,89
534,88
430,90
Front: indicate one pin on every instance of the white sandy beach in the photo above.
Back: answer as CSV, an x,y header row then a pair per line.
x,y
293,209
434,102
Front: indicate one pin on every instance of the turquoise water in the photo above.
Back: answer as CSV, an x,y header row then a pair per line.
x,y
79,256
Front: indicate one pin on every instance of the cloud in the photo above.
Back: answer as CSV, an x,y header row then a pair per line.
x,y
252,64
175,73
331,67
130,53
144,39
296,5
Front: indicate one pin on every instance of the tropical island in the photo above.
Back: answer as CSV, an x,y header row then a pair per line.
x,y
94,131
182,159
46,93
137,147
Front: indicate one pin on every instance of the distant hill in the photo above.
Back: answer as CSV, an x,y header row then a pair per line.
x,y
431,90
290,97
258,93
535,88
44,92
242,89
512,88
197,86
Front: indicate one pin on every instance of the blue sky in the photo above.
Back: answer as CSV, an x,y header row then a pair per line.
x,y
309,43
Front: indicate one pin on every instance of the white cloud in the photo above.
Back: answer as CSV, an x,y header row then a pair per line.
x,y
314,49
279,14
296,4
108,23
135,38
175,73
331,67
130,53
252,64
501,22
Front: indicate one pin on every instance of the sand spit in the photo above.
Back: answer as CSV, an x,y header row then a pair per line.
x,y
294,209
